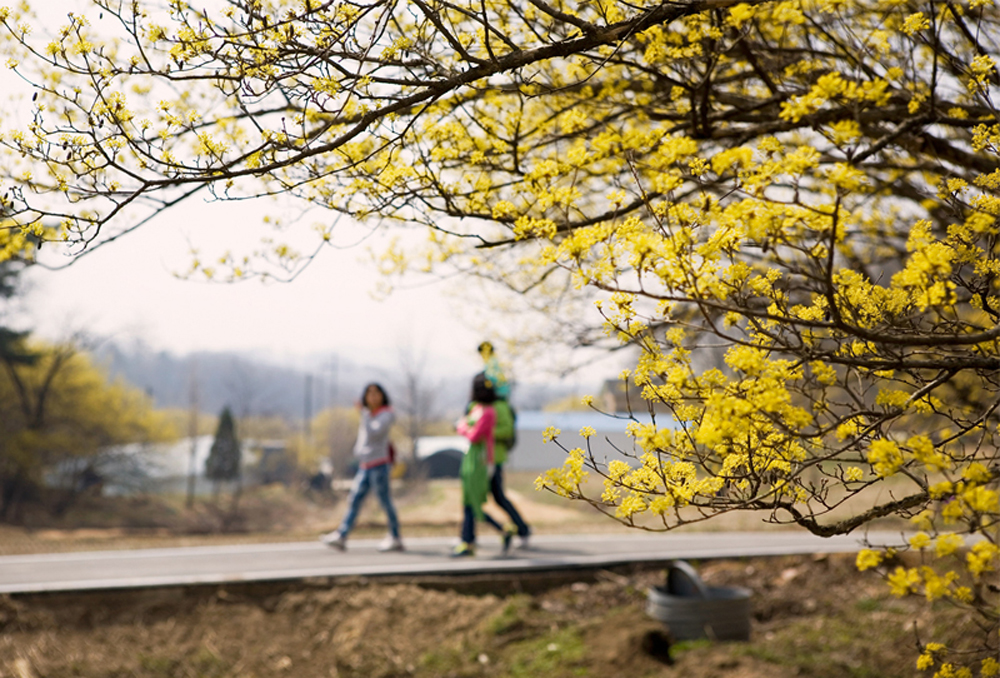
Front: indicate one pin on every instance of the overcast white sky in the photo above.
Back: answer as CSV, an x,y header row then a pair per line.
x,y
128,290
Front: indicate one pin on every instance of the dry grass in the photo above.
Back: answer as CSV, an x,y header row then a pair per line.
x,y
813,616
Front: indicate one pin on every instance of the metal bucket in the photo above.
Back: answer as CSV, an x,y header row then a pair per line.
x,y
693,610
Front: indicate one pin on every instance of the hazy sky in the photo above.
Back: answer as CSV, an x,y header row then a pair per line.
x,y
128,290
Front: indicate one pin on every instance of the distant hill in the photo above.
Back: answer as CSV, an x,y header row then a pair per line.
x,y
248,384
251,385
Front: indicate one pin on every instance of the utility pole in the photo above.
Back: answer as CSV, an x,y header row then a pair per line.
x,y
333,428
306,435
192,431
334,369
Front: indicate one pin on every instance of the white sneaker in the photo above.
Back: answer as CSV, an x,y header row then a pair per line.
x,y
522,542
334,540
391,544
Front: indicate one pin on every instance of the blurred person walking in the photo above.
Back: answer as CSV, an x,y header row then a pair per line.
x,y
504,435
477,465
494,370
503,439
372,451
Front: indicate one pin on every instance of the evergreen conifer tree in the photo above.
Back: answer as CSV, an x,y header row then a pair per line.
x,y
12,342
223,461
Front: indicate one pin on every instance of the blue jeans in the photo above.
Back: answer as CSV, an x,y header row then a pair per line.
x,y
496,487
377,476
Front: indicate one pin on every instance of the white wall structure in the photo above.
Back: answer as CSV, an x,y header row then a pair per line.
x,y
165,467
532,453
428,445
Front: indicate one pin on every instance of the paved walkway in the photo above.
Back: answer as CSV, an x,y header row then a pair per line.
x,y
429,556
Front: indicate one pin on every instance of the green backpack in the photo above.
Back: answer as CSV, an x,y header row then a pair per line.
x,y
511,440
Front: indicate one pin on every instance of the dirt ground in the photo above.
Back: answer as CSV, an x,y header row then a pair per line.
x,y
812,615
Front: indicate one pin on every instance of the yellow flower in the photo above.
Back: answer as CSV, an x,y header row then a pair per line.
x,y
976,472
616,469
550,434
868,559
982,500
947,544
903,581
932,652
963,594
565,481
885,457
942,489
936,586
915,22
630,505
982,557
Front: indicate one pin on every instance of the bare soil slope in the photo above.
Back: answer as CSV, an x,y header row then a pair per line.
x,y
813,616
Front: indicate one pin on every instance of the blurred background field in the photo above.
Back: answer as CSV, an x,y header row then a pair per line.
x,y
280,513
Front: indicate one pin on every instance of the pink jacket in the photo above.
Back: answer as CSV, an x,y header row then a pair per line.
x,y
482,428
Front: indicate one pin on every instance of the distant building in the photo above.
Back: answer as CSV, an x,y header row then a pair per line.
x,y
164,468
532,453
618,395
430,445
441,455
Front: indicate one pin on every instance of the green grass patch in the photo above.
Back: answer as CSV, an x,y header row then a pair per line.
x,y
834,647
868,605
511,618
444,662
682,646
558,654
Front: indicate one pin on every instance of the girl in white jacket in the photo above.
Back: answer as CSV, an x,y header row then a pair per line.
x,y
374,463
